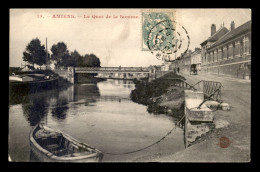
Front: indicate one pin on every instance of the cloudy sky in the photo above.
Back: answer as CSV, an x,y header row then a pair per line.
x,y
116,41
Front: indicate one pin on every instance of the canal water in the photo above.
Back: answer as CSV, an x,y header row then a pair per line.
x,y
101,115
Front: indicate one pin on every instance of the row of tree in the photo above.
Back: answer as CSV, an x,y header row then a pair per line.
x,y
35,53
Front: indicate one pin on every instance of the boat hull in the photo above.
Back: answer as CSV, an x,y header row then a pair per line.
x,y
46,156
42,157
32,86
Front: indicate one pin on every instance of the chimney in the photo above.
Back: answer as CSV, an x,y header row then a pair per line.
x,y
213,29
232,25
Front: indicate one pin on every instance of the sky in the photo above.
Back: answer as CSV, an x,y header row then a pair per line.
x,y
116,41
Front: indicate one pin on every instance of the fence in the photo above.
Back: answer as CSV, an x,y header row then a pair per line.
x,y
181,83
211,89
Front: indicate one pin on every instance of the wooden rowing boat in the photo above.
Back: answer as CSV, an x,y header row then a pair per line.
x,y
51,145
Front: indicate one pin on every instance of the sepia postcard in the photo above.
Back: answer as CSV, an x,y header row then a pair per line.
x,y
129,85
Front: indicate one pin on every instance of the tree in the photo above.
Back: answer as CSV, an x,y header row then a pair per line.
x,y
61,57
74,59
90,61
35,53
60,54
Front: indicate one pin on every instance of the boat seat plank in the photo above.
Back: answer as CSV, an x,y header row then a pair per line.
x,y
78,154
52,146
46,134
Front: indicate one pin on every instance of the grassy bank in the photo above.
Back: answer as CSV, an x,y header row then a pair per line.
x,y
159,95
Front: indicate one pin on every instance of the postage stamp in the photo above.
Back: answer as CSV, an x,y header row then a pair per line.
x,y
154,22
163,36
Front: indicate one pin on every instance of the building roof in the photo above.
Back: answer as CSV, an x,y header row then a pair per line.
x,y
233,33
196,52
187,55
222,31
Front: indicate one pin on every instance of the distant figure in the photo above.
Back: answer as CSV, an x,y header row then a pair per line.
x,y
178,70
120,67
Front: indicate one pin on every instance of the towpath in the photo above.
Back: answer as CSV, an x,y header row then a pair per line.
x,y
237,93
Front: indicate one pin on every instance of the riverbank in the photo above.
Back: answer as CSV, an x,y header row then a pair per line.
x,y
237,93
160,96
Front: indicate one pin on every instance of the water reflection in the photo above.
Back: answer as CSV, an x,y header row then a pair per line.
x,y
101,115
115,90
59,105
86,92
60,111
34,106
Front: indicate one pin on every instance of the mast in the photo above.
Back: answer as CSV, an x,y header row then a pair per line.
x,y
46,48
47,62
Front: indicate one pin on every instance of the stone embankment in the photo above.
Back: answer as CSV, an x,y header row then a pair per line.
x,y
229,141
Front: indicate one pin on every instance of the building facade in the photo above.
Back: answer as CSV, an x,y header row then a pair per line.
x,y
167,66
230,54
215,36
184,62
196,58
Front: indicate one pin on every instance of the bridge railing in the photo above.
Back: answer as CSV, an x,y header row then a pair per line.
x,y
111,68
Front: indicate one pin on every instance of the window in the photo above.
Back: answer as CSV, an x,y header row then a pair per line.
x,y
216,55
237,48
241,51
230,51
234,49
222,53
219,54
227,52
246,45
205,59
211,57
